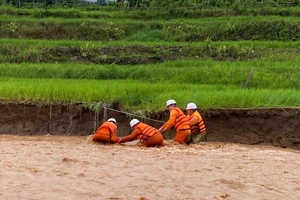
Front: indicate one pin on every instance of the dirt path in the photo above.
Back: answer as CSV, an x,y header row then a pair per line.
x,y
70,167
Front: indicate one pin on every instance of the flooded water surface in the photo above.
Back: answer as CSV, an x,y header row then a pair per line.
x,y
68,167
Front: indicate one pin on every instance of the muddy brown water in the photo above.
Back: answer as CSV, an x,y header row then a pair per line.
x,y
72,167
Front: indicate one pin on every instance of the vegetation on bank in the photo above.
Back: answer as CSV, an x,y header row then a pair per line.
x,y
141,58
177,30
151,8
124,53
147,25
267,75
210,84
39,43
137,95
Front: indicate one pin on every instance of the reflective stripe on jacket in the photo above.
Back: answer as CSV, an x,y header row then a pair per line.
x,y
181,121
147,131
198,127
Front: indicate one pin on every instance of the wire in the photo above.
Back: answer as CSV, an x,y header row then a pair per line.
x,y
127,113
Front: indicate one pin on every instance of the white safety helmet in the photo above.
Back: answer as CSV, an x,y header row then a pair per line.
x,y
191,106
134,122
170,102
112,120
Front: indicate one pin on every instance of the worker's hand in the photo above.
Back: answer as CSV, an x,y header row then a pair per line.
x,y
161,130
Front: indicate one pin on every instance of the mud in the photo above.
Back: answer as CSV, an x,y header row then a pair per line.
x,y
278,127
70,167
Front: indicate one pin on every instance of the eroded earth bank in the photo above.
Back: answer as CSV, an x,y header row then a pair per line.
x,y
278,127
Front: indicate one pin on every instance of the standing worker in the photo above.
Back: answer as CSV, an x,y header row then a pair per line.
x,y
148,135
106,133
179,121
198,130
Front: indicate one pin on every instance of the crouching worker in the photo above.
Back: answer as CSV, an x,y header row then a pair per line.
x,y
198,130
148,135
106,133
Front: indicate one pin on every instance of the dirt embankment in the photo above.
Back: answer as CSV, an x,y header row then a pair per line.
x,y
278,127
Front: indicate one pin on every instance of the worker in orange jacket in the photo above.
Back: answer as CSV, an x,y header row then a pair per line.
x,y
179,121
198,129
106,133
148,135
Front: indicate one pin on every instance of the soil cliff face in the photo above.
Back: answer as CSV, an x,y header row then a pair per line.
x,y
278,127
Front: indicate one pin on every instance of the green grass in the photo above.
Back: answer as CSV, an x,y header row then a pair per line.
x,y
203,21
38,51
167,12
54,43
223,28
209,84
136,95
268,75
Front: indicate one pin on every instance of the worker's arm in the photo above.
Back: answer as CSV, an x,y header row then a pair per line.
x,y
170,123
115,139
133,136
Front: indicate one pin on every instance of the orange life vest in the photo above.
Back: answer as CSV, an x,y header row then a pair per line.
x,y
147,131
181,119
110,126
199,127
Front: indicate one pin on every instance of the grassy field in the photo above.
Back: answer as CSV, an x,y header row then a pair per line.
x,y
163,13
210,84
125,52
38,43
283,28
267,75
138,95
145,61
204,21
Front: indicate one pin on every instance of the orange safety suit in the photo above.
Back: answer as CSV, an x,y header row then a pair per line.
x,y
197,123
106,133
181,124
149,136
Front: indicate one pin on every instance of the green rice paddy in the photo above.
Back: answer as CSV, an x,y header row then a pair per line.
x,y
270,79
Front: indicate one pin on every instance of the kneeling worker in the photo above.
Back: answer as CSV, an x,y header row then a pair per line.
x,y
106,133
198,130
149,136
